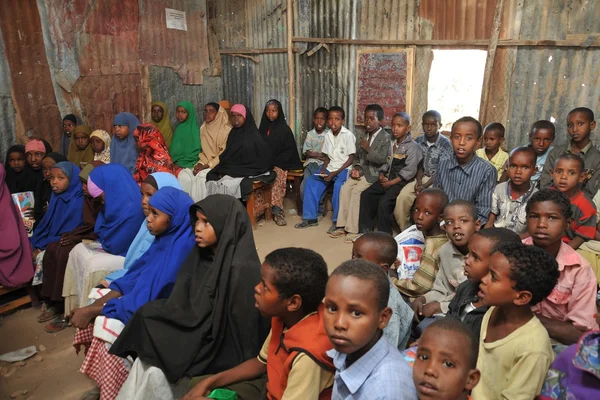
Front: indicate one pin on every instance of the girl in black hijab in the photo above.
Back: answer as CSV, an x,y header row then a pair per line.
x,y
19,175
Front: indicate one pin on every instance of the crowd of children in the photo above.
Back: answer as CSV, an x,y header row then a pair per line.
x,y
502,286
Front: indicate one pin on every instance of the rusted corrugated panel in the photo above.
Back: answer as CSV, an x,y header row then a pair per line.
x,y
36,107
7,111
459,19
549,82
184,51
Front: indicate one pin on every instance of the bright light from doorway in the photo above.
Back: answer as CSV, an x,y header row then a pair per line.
x,y
455,84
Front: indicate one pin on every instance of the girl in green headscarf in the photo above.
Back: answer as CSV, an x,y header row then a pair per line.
x,y
162,120
186,146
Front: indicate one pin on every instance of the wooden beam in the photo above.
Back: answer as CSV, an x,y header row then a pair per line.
x,y
282,50
491,56
291,66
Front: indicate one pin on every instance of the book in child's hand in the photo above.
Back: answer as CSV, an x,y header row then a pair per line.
x,y
93,245
24,202
410,249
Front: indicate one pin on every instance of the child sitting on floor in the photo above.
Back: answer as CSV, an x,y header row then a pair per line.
x,y
313,146
493,138
378,201
356,312
514,350
381,248
509,198
461,224
446,360
427,215
567,174
293,355
570,309
465,305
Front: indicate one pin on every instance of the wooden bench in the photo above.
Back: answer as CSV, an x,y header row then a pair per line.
x,y
295,177
11,305
250,203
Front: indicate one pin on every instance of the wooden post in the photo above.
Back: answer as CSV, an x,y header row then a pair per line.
x,y
291,69
489,62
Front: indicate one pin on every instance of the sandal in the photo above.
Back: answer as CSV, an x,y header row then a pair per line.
x,y
48,314
338,233
279,220
352,237
307,223
57,325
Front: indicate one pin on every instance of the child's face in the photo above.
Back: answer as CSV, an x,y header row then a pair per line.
x,y
400,128
579,126
319,121
442,368
335,121
59,182
496,288
266,295
426,212
352,319
237,120
464,140
210,113
82,140
478,259
272,112
371,121
97,144
121,131
460,225
363,249
68,127
138,145
546,223
492,140
204,232
181,114
84,187
34,159
541,140
16,161
157,113
431,126
567,175
147,192
158,221
46,165
521,167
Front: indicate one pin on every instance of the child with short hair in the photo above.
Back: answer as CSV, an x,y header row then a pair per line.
x,y
340,147
371,153
571,307
445,365
434,146
463,175
493,138
465,305
541,137
514,350
293,356
509,198
567,174
313,146
461,224
356,312
427,215
580,124
69,123
380,248
379,200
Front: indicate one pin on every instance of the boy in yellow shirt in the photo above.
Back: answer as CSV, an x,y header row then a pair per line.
x,y
493,138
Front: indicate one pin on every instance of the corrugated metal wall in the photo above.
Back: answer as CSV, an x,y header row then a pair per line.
x,y
7,110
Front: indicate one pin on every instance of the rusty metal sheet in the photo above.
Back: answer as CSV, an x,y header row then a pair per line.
x,y
7,110
459,19
184,51
36,109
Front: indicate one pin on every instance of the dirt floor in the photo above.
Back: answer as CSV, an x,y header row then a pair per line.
x,y
57,375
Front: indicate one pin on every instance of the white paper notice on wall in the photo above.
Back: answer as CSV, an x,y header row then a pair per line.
x,y
176,19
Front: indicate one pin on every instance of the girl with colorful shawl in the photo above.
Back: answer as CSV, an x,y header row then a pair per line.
x,y
100,144
122,145
116,226
284,155
153,153
186,145
151,277
213,135
19,175
16,267
57,254
144,238
162,120
80,150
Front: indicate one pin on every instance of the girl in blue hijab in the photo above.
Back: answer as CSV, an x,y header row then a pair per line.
x,y
122,145
121,213
144,238
65,210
